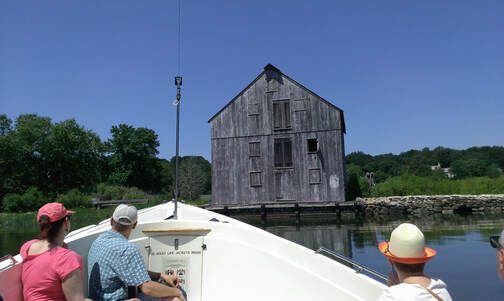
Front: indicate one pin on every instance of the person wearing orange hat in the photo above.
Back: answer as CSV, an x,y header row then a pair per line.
x,y
407,253
50,271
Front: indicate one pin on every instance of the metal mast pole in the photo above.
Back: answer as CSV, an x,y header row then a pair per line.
x,y
178,83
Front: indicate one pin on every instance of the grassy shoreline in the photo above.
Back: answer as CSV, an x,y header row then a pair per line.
x,y
20,222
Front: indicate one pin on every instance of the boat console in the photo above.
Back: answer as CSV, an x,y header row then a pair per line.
x,y
178,251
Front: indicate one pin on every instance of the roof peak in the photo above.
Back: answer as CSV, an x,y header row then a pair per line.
x,y
272,68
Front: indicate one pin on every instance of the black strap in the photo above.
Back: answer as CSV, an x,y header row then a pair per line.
x,y
434,294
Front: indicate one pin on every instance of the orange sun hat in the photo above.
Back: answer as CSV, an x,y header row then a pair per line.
x,y
406,245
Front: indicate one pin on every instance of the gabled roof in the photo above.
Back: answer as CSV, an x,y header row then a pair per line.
x,y
270,67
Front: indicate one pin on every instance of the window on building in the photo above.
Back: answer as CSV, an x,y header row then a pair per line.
x,y
254,149
253,124
313,145
255,179
299,105
281,115
253,109
283,152
314,176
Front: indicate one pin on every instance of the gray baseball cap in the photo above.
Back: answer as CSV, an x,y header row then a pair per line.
x,y
125,215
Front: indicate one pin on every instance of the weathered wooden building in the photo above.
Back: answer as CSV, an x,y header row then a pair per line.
x,y
277,141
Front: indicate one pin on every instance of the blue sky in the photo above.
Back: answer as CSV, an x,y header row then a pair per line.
x,y
408,74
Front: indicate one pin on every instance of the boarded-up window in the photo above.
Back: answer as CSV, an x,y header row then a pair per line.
x,y
313,145
254,149
283,152
253,124
281,115
299,105
253,109
255,179
314,176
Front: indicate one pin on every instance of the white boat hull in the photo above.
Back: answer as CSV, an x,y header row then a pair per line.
x,y
227,259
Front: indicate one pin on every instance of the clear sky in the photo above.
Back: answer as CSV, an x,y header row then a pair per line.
x,y
408,74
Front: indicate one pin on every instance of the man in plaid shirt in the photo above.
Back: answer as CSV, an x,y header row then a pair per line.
x,y
114,264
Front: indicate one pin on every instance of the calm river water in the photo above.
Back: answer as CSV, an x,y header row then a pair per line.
x,y
465,260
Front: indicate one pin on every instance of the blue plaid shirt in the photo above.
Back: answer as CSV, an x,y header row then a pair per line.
x,y
113,265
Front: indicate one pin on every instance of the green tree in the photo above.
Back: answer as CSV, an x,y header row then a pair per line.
x,y
10,180
194,178
30,140
5,125
417,162
353,187
30,200
493,171
468,168
445,156
167,175
74,155
384,166
133,157
358,158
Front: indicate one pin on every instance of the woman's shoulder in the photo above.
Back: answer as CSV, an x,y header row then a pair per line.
x,y
26,246
66,252
63,257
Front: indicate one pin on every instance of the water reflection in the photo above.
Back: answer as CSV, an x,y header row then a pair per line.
x,y
465,260
335,237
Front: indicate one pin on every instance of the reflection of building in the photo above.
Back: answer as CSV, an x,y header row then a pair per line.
x,y
314,237
277,141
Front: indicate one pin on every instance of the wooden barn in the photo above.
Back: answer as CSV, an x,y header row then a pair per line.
x,y
277,142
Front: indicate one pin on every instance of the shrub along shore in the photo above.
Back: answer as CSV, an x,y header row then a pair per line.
x,y
74,199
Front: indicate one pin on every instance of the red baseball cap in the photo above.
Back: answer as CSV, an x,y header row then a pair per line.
x,y
55,211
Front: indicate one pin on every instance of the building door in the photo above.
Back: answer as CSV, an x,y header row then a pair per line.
x,y
284,185
283,171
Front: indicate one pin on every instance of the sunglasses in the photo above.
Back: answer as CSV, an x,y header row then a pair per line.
x,y
494,242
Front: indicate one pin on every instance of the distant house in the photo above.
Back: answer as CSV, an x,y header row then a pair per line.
x,y
277,141
446,170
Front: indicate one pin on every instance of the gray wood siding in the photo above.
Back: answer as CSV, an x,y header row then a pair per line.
x,y
316,115
249,118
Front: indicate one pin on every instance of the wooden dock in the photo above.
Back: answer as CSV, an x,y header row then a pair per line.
x,y
287,209
98,203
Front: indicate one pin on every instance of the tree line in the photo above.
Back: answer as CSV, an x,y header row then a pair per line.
x,y
46,160
42,160
441,170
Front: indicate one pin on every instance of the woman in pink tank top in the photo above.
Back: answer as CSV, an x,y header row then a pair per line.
x,y
51,271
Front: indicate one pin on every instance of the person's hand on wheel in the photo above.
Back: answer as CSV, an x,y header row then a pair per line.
x,y
171,280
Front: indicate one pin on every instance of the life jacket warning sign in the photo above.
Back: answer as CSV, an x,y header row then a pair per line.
x,y
178,252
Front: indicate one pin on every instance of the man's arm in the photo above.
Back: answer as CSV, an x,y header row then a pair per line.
x,y
158,290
